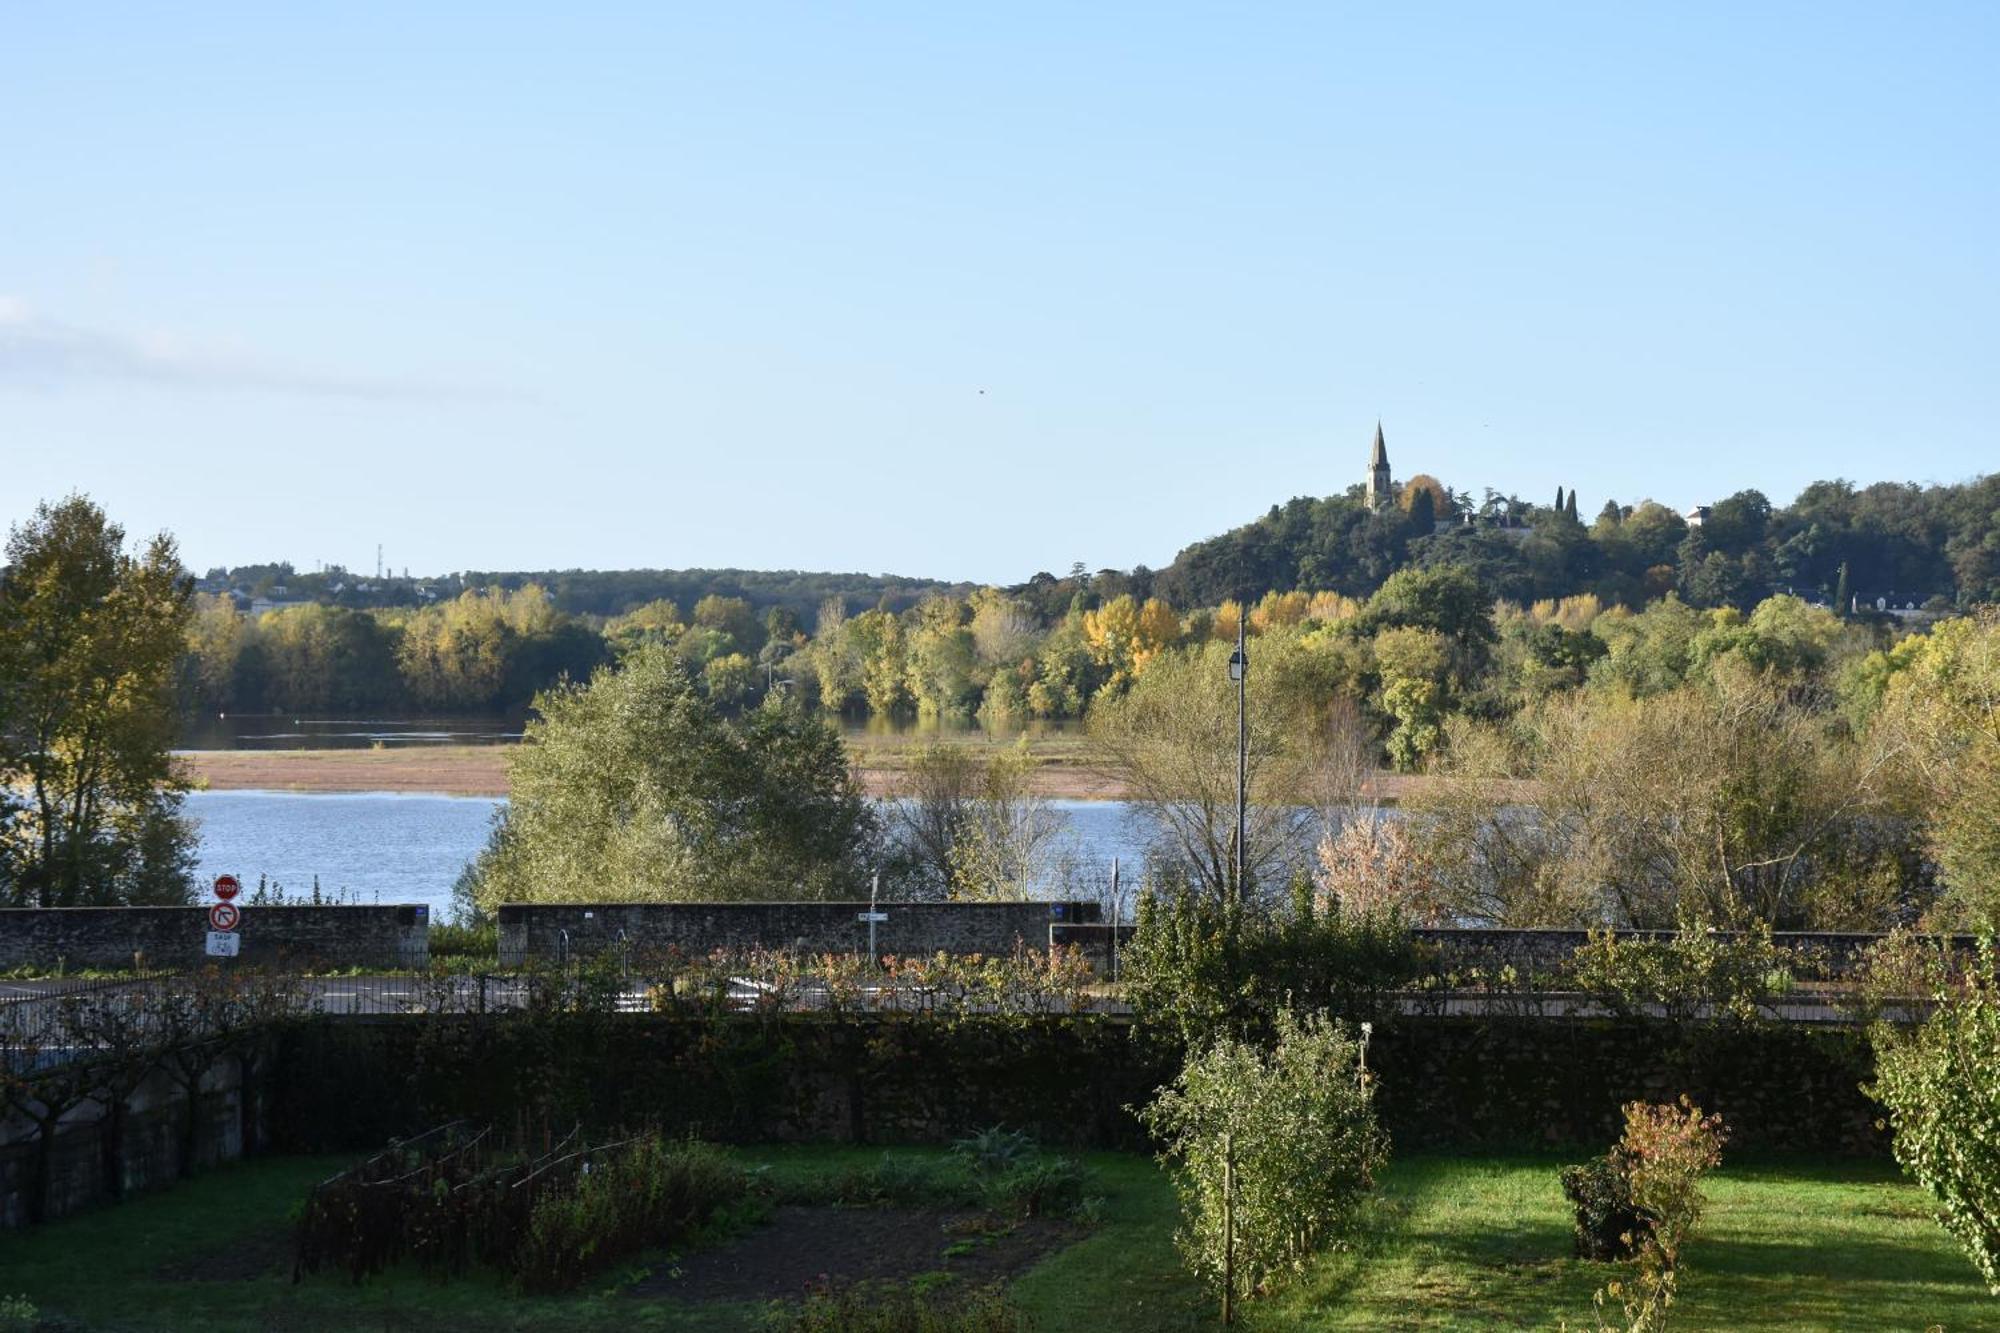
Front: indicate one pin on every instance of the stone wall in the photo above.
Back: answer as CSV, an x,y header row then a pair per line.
x,y
72,938
550,932
143,1149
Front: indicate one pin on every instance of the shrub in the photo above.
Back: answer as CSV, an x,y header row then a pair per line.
x,y
1014,1176
1041,1187
1197,968
1941,1085
645,1193
1607,1223
994,1149
1278,1148
1664,1153
18,1314
1693,973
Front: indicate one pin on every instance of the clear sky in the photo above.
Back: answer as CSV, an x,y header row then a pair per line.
x,y
971,291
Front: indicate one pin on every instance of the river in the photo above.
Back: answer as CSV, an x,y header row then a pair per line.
x,y
380,847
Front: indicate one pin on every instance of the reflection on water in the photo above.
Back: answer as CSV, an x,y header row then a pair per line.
x,y
380,847
237,731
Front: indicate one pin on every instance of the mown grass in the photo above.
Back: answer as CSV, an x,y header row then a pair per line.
x,y
1451,1243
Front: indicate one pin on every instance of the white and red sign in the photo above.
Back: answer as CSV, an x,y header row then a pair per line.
x,y
227,887
224,916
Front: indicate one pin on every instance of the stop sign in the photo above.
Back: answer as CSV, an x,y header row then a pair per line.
x,y
226,887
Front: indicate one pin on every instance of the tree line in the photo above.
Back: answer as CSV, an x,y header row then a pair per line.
x,y
1892,540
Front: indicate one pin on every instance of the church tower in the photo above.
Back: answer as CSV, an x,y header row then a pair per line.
x,y
1381,492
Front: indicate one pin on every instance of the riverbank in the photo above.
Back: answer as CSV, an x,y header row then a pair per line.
x,y
481,770
1062,770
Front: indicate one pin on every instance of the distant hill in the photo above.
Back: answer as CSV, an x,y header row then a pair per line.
x,y
1897,542
610,592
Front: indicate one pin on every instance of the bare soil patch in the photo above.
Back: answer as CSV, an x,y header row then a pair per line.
x,y
802,1248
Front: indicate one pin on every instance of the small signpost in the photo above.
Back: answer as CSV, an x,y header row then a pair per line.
x,y
224,917
874,917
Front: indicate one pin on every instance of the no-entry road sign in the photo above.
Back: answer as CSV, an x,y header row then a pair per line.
x,y
224,916
227,887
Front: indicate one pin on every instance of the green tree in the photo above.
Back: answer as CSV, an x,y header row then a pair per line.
x,y
634,788
90,638
1413,662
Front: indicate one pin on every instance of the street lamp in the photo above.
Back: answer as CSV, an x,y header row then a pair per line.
x,y
1239,671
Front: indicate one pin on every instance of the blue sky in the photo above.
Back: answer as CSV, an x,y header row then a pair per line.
x,y
971,291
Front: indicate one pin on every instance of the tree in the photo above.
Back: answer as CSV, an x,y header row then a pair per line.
x,y
1425,484
1719,803
633,788
90,640
1423,514
1941,1086
1172,740
1940,723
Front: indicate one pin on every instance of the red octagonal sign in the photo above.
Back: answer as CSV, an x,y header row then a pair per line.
x,y
227,887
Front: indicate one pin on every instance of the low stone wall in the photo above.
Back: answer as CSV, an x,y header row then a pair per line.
x,y
72,938
548,932
1836,954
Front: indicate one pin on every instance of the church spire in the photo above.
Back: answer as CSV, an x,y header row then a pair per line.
x,y
1381,490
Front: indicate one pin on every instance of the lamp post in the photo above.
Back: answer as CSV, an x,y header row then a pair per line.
x,y
1239,671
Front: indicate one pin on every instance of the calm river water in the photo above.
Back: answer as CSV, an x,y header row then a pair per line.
x,y
393,848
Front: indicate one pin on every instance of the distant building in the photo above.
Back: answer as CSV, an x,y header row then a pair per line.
x,y
1696,516
1381,490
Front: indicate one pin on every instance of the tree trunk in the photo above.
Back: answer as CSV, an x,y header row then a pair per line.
x,y
111,1146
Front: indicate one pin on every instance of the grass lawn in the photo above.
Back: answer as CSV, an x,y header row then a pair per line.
x,y
1451,1244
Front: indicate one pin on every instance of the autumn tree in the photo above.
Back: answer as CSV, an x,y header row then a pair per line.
x,y
90,638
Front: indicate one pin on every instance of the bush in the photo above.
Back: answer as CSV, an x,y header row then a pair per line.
x,y
643,1194
1279,1148
1043,1187
1607,1222
1693,973
449,940
1664,1153
994,1149
18,1314
1198,969
1941,1085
